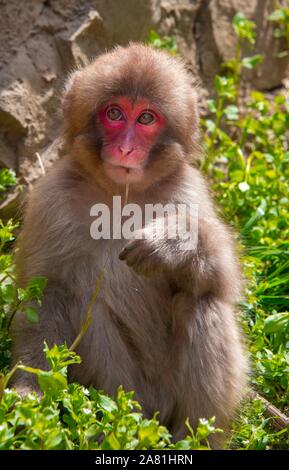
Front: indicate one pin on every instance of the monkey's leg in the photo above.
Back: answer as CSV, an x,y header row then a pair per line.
x,y
210,363
28,338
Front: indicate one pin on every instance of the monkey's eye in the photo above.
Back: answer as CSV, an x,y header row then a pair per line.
x,y
114,114
146,118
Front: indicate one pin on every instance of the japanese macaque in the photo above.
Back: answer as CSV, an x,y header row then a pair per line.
x,y
164,322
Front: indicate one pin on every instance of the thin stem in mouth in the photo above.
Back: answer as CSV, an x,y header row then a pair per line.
x,y
126,192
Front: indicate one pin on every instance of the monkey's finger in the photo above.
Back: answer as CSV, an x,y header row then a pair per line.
x,y
127,249
136,256
122,255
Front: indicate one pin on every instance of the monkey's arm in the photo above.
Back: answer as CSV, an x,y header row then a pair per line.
x,y
209,266
43,249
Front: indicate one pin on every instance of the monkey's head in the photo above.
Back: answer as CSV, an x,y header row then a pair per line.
x,y
131,116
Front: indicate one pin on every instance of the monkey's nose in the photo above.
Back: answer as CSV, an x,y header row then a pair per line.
x,y
125,151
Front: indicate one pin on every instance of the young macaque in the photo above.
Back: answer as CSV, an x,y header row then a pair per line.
x,y
164,322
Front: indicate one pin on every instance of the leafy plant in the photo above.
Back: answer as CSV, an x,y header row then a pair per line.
x,y
247,160
70,416
165,42
252,431
14,299
245,35
7,180
280,18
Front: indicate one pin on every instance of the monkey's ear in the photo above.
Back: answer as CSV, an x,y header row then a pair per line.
x,y
69,93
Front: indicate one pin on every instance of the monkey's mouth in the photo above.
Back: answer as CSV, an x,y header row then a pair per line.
x,y
123,174
126,168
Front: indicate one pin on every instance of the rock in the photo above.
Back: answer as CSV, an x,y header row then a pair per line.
x,y
11,206
89,39
13,102
220,14
129,20
78,47
274,68
7,154
39,45
178,19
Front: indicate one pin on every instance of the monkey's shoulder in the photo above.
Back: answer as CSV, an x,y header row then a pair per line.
x,y
59,192
190,187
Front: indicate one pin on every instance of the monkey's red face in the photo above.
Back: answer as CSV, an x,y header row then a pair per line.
x,y
129,131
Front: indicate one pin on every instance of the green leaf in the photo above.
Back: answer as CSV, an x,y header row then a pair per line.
x,y
113,442
244,28
148,431
212,107
225,87
232,112
6,232
35,287
243,186
7,179
54,439
8,293
59,357
107,404
31,314
252,62
5,262
276,323
166,42
210,125
277,15
51,381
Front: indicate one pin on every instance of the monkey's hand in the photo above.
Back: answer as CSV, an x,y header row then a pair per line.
x,y
156,248
202,265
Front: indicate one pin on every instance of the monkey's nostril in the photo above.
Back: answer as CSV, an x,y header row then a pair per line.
x,y
125,151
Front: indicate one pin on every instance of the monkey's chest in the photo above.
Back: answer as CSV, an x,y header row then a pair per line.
x,y
137,298
129,340
141,304
126,292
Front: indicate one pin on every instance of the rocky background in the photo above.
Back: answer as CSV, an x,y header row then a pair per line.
x,y
42,40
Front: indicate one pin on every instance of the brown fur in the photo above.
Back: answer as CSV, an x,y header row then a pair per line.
x,y
164,324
